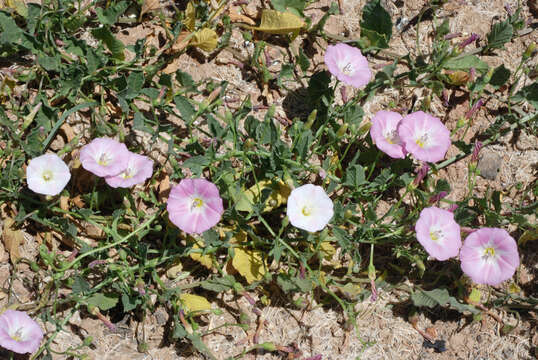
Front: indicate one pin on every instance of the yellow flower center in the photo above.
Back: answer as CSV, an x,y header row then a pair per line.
x,y
392,137
435,234
128,173
307,211
421,141
104,159
489,252
196,203
17,336
47,175
348,69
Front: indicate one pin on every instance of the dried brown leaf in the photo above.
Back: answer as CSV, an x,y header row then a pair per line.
x,y
12,239
181,42
235,16
149,5
68,132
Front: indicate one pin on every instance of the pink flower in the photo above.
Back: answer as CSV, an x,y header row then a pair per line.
x,y
424,136
104,157
348,65
19,333
384,133
489,256
309,208
47,174
195,205
438,233
139,168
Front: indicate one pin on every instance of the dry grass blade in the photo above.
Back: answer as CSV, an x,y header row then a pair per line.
x,y
12,239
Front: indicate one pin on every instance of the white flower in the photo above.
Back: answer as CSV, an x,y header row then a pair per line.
x,y
309,208
47,174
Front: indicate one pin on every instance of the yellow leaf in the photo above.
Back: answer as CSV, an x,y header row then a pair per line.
x,y
19,6
474,296
194,302
174,271
327,249
249,264
279,195
350,290
206,259
238,237
205,39
529,235
190,16
12,239
281,23
458,77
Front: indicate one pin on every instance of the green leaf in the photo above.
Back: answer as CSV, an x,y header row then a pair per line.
x,y
219,284
103,301
499,77
50,63
80,285
376,25
439,297
500,34
115,46
529,93
11,32
129,302
135,82
110,16
294,6
139,123
355,176
185,79
185,108
303,61
465,63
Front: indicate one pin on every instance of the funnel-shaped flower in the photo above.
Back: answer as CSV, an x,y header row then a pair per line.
x,y
104,157
139,168
384,133
348,65
438,233
47,174
489,256
19,333
424,136
194,205
309,208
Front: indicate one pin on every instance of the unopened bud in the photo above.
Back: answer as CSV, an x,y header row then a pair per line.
x,y
529,51
311,118
341,132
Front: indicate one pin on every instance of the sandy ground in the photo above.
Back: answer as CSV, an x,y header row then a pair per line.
x,y
383,331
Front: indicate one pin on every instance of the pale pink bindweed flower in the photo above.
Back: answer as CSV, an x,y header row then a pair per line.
x,y
19,332
194,205
438,233
47,174
104,157
309,208
348,65
489,256
139,168
424,136
384,133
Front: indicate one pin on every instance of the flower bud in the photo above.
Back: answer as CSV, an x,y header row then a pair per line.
x,y
311,118
529,51
342,130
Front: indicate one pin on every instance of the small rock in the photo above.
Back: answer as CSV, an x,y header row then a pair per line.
x,y
489,165
526,142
